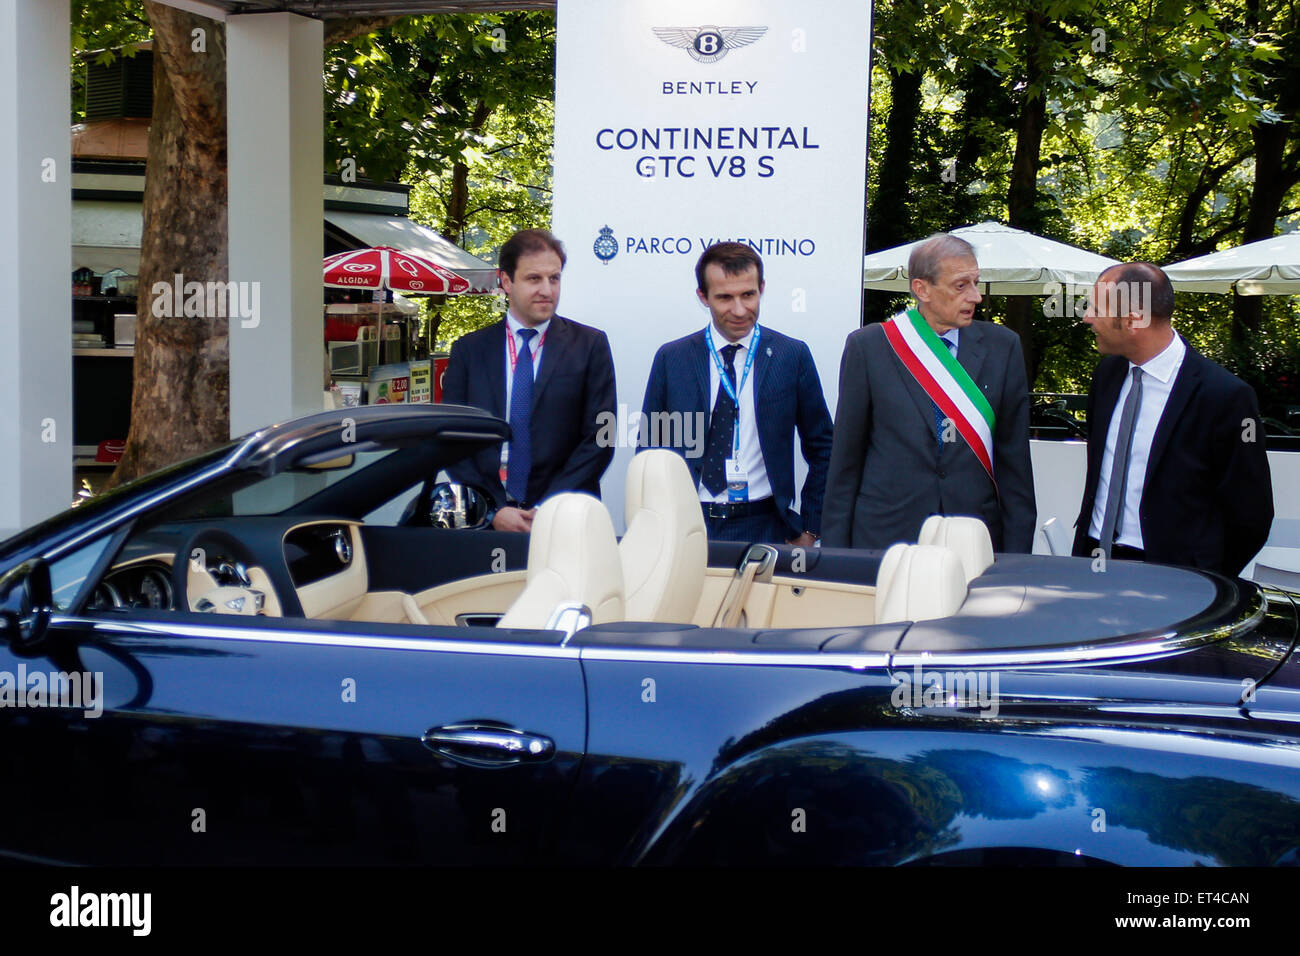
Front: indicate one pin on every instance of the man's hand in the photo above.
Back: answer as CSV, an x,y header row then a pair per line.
x,y
805,540
514,519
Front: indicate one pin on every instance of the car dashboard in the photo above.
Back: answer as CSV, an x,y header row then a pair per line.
x,y
143,583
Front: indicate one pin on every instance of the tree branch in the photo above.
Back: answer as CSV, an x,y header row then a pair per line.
x,y
341,31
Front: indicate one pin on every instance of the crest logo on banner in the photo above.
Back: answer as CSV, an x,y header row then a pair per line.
x,y
605,246
709,44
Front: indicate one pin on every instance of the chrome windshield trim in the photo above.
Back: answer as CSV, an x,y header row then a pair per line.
x,y
1116,652
359,639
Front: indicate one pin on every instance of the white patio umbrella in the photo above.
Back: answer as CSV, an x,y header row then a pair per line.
x,y
1263,267
1012,262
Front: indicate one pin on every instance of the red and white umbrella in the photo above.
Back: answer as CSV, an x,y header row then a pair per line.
x,y
384,267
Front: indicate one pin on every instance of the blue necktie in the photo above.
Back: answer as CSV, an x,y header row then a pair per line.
x,y
939,415
722,429
521,413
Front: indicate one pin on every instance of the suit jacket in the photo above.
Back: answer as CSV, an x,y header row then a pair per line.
x,y
1207,499
888,473
574,386
787,396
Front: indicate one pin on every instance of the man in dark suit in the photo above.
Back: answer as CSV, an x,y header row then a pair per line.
x,y
1177,435
754,387
917,433
551,377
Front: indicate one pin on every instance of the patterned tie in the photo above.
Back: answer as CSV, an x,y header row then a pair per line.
x,y
938,414
722,429
521,413
1110,522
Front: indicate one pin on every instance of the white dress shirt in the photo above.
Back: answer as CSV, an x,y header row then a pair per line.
x,y
1158,377
751,455
513,326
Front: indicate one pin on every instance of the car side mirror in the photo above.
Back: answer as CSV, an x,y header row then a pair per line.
x,y
26,603
453,505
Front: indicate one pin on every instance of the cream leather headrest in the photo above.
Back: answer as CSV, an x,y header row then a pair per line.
x,y
918,582
572,557
665,551
967,536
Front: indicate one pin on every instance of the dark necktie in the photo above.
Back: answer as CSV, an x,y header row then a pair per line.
x,y
521,413
938,413
1110,522
722,429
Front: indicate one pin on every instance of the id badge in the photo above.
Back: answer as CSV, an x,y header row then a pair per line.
x,y
737,481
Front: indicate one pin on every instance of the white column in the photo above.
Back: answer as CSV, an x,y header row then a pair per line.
x,y
36,249
275,138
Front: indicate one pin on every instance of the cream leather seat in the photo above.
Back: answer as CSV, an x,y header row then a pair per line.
x,y
967,536
665,552
572,558
919,582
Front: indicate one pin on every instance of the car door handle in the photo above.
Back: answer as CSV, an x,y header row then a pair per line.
x,y
488,745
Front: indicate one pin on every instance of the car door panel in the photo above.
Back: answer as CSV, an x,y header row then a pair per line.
x,y
289,742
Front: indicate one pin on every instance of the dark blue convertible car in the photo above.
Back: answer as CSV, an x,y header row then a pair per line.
x,y
286,652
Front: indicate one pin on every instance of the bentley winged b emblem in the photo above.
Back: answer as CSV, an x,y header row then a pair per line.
x,y
709,44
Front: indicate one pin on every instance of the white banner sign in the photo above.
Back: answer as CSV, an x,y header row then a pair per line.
x,y
680,123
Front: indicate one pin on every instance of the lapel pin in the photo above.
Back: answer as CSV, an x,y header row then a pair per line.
x,y
769,351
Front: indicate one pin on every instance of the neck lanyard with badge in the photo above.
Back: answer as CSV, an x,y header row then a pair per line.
x,y
737,476
514,349
514,361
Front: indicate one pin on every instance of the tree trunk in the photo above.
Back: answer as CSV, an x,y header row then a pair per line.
x,y
458,202
1022,194
1274,177
888,220
1276,171
1187,243
180,400
985,106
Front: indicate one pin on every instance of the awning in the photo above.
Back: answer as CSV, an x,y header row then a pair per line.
x,y
1011,262
1263,267
371,229
106,235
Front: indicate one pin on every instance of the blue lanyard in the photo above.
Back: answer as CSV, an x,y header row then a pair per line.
x,y
726,382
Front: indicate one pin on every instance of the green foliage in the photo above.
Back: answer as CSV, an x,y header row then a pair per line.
x,y
418,94
1154,112
510,186
99,29
460,107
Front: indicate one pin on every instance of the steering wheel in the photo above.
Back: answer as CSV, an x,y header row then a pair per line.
x,y
214,563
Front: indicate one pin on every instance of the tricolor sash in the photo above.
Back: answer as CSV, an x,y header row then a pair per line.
x,y
949,385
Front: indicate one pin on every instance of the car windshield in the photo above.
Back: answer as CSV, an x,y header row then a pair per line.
x,y
288,490
53,528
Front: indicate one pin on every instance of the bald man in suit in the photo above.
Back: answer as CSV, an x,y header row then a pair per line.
x,y
1177,469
